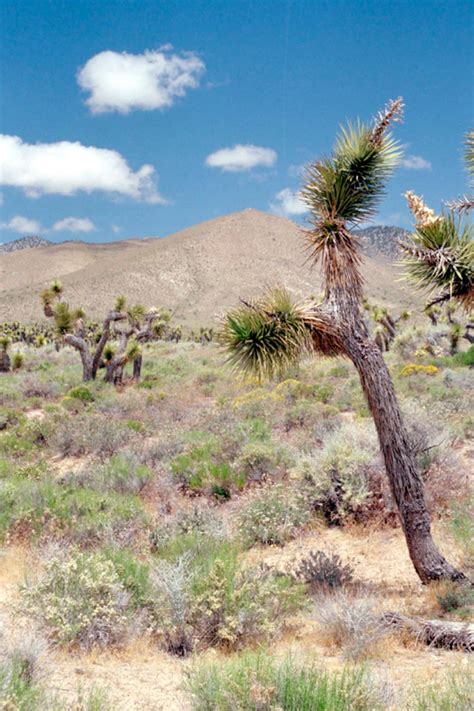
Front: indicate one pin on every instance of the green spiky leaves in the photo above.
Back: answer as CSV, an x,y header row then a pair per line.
x,y
264,337
344,190
441,258
348,186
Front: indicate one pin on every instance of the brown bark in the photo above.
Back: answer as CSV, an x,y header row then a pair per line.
x,y
80,345
405,481
137,368
5,363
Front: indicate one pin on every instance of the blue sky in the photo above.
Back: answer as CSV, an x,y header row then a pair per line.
x,y
139,118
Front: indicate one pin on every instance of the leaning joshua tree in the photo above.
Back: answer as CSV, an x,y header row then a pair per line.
x,y
342,191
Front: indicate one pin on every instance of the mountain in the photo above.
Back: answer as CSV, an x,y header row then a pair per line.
x,y
197,273
382,240
24,243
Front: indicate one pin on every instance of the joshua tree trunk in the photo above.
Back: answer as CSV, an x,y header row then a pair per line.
x,y
87,362
405,481
137,368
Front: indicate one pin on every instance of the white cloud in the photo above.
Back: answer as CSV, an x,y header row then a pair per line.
x,y
241,158
288,202
297,171
74,224
65,168
116,229
22,225
125,82
416,163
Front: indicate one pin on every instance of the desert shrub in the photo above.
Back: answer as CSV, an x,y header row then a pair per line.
x,y
259,460
199,521
79,600
17,690
453,693
23,661
253,682
337,478
272,516
204,468
47,508
172,587
23,439
202,597
82,393
235,606
88,434
461,526
321,570
123,473
455,598
18,360
350,623
134,575
31,385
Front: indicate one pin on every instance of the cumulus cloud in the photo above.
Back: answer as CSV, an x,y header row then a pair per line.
x,y
74,224
118,81
288,202
415,163
22,225
241,158
65,168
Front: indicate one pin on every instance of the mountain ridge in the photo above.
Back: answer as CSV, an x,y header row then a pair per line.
x,y
197,273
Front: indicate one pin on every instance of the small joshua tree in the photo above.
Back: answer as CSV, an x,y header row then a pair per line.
x,y
266,336
386,328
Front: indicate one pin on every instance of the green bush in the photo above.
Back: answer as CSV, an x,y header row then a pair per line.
x,y
203,468
259,460
234,606
82,393
272,516
256,683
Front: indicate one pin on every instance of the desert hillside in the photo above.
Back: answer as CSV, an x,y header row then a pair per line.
x,y
197,272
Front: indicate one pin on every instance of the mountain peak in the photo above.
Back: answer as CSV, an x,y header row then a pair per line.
x,y
30,242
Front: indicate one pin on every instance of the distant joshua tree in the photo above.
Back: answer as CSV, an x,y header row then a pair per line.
x,y
265,336
141,326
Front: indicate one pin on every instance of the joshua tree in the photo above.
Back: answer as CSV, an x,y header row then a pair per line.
x,y
141,327
386,328
341,191
69,325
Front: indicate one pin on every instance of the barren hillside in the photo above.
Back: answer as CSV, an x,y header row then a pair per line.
x,y
197,272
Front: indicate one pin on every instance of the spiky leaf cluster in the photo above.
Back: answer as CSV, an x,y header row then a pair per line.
x,y
264,337
344,190
441,258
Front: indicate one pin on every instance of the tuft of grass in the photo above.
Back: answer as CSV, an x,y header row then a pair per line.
x,y
253,682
